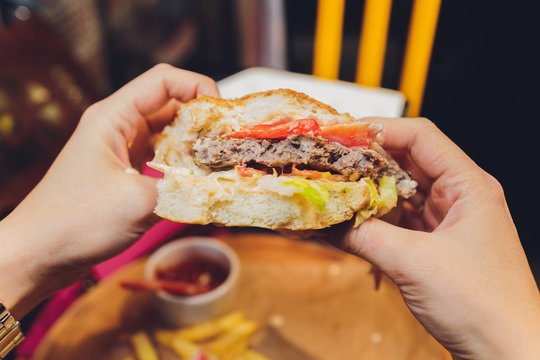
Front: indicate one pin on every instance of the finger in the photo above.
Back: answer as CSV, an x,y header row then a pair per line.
x,y
145,192
154,88
406,163
140,148
158,120
432,151
418,199
141,193
440,200
386,246
150,91
412,218
432,215
140,145
394,216
330,234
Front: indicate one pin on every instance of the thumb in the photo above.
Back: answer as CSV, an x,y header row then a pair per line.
x,y
386,246
142,199
148,190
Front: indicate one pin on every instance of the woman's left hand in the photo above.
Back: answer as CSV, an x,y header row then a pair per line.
x,y
92,204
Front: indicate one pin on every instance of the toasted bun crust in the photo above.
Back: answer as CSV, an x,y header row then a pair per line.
x,y
193,194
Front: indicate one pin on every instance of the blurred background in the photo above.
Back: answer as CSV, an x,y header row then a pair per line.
x,y
59,56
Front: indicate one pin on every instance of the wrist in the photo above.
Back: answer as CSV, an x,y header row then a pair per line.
x,y
513,335
24,264
520,341
35,260
10,332
17,291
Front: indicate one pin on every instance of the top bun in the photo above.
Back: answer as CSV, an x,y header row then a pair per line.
x,y
193,194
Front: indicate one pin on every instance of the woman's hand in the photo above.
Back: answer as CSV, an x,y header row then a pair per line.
x,y
92,204
458,261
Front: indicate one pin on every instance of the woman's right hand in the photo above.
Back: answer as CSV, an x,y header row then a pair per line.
x,y
457,261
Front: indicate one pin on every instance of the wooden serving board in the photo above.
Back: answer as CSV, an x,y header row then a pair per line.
x,y
312,302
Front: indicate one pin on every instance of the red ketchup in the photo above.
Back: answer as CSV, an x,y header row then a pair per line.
x,y
204,272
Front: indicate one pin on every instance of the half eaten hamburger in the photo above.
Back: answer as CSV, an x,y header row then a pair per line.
x,y
277,159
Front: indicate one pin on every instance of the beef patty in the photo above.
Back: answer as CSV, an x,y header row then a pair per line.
x,y
311,152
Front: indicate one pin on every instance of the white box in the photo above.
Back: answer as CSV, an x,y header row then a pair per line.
x,y
345,97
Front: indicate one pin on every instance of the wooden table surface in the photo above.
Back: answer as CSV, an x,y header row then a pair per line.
x,y
311,301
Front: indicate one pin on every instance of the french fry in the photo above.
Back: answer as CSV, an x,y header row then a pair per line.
x,y
236,351
129,357
253,355
228,338
225,343
202,331
184,348
230,320
209,329
240,346
164,337
144,350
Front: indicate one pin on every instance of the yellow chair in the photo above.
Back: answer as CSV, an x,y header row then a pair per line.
x,y
372,45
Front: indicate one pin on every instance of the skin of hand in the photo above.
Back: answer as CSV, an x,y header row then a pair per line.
x,y
91,204
458,262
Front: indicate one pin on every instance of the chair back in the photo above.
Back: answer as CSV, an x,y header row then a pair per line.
x,y
372,47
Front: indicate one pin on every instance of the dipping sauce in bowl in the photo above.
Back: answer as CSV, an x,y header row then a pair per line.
x,y
197,279
202,272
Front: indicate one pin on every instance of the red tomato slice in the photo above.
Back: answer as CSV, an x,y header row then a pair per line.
x,y
348,134
279,130
248,172
316,175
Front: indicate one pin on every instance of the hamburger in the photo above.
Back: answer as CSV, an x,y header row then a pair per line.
x,y
278,160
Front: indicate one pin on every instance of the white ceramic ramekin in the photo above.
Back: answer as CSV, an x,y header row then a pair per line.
x,y
186,310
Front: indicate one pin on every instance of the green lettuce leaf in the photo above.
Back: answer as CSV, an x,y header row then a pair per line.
x,y
388,195
380,202
312,192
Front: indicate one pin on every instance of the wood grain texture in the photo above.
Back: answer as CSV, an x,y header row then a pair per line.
x,y
324,299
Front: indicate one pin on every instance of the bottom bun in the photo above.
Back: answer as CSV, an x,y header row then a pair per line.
x,y
236,201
